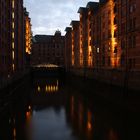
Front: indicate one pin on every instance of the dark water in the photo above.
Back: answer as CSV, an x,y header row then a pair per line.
x,y
52,111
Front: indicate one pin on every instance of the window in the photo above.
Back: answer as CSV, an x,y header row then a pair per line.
x,y
134,41
108,61
134,23
122,44
122,60
123,28
103,60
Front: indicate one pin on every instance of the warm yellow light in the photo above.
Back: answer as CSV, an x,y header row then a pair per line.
x,y
13,15
89,126
13,55
57,82
13,4
13,35
53,88
14,132
13,67
13,45
46,89
13,25
29,107
49,88
56,88
38,88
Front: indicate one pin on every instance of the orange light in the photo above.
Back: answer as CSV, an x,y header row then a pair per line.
x,y
89,126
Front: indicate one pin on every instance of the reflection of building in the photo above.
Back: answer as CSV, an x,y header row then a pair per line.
x,y
11,37
48,49
28,34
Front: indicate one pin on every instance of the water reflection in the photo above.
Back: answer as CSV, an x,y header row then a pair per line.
x,y
66,115
48,86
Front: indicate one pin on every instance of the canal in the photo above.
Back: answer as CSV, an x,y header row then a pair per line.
x,y
48,109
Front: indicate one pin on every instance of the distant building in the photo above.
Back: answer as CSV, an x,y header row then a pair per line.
x,y
48,49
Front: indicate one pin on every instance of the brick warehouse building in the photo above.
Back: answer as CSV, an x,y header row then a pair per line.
x,y
110,34
48,49
12,49
28,36
68,48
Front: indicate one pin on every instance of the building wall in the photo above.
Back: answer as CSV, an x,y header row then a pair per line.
x,y
11,38
27,36
109,35
68,48
48,49
75,44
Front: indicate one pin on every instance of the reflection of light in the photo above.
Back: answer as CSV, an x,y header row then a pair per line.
x,y
80,115
48,88
28,114
38,88
57,82
29,107
51,88
89,119
113,135
56,88
72,106
14,132
89,126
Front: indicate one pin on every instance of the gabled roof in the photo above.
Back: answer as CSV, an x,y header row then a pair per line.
x,y
82,9
93,5
74,22
43,38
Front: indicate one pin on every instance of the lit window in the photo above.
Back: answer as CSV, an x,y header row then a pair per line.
x,y
13,25
13,45
13,55
13,67
13,15
13,35
13,4
98,50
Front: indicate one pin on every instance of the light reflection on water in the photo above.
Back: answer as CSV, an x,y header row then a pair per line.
x,y
66,115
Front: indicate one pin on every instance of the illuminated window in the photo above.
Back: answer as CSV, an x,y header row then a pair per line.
x,y
13,15
13,35
13,55
13,25
13,67
13,45
98,50
13,4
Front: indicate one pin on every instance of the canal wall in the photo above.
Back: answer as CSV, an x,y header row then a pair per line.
x,y
104,90
128,80
14,88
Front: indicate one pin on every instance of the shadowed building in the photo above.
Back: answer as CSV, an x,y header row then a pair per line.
x,y
12,50
48,49
68,48
75,43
